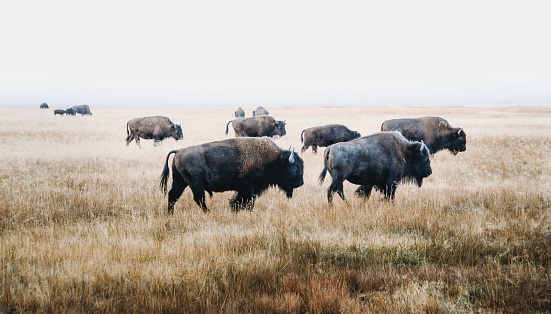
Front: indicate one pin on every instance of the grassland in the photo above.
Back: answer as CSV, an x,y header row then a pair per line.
x,y
84,226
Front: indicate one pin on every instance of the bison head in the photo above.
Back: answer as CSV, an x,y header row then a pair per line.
x,y
292,172
280,128
418,163
457,141
176,131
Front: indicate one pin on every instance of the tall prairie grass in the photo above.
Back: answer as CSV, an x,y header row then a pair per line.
x,y
84,226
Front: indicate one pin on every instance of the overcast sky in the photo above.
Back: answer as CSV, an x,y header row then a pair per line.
x,y
281,52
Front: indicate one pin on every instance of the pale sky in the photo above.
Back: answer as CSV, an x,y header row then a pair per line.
x,y
250,53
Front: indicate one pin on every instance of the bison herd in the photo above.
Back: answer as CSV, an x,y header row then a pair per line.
x,y
251,162
71,111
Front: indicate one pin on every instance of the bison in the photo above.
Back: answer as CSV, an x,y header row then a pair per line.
x,y
326,135
239,113
44,106
434,131
381,160
257,127
260,111
82,110
156,127
70,111
245,165
59,112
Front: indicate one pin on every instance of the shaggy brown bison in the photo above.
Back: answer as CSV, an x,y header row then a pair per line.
x,y
245,165
59,112
380,160
257,127
70,111
82,110
260,111
239,113
434,131
326,135
156,127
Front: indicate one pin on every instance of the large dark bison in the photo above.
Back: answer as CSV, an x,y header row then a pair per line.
x,y
156,127
434,131
59,112
326,135
260,111
381,160
70,111
239,113
44,106
245,165
82,110
257,127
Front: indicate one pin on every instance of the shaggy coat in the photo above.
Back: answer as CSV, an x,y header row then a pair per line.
x,y
82,110
257,127
380,160
436,133
156,127
326,135
245,165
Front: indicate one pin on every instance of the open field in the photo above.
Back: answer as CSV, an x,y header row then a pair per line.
x,y
84,226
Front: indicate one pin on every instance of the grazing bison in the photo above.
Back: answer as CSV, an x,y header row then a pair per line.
x,y
245,165
257,127
326,135
157,128
70,111
82,110
260,111
239,113
59,112
380,160
434,131
44,106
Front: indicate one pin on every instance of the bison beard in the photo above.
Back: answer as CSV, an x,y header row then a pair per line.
x,y
248,166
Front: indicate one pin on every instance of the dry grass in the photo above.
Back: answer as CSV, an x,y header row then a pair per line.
x,y
84,227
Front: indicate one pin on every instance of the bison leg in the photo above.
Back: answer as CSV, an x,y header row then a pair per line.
x,y
304,147
242,199
178,187
199,196
364,191
390,190
315,148
129,138
336,186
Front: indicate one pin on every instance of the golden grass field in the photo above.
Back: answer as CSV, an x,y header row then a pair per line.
x,y
84,226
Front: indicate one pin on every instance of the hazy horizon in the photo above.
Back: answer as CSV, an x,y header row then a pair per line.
x,y
248,53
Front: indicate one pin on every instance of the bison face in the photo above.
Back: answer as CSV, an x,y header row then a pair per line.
x,y
418,165
292,175
280,128
458,141
354,135
177,133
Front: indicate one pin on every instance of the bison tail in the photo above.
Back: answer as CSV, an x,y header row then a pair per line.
x,y
321,177
166,172
227,125
302,139
127,132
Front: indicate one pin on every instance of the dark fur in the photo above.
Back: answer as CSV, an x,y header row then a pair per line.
x,y
257,127
156,127
70,111
44,106
260,111
326,135
59,112
239,113
380,160
245,165
434,131
82,110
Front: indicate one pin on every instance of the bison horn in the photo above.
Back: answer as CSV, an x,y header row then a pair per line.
x,y
292,157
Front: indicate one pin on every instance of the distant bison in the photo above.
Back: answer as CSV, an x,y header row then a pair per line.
x,y
326,135
70,111
156,127
44,106
260,111
245,165
82,110
380,160
257,127
59,112
434,131
239,113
